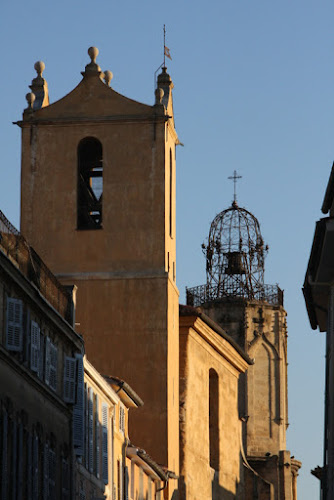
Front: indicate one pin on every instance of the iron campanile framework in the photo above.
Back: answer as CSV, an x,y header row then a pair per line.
x,y
235,253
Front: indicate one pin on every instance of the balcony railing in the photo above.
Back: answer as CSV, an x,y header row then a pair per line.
x,y
13,244
203,294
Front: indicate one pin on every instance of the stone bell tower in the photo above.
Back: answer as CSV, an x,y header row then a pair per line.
x,y
252,313
98,205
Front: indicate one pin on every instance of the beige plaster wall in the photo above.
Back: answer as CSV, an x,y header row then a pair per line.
x,y
198,480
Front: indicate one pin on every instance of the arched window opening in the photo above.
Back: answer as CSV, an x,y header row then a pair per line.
x,y
214,419
170,194
90,184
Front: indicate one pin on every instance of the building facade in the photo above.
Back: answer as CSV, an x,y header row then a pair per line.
x,y
105,165
38,351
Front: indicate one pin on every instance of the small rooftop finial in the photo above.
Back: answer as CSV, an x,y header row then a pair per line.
x,y
108,77
39,67
234,177
93,52
159,93
92,68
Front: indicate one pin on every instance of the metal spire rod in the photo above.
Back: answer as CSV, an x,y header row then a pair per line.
x,y
164,45
234,177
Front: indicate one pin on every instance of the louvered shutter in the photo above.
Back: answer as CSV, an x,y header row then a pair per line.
x,y
20,462
78,409
35,467
34,346
120,479
14,330
4,466
47,360
46,472
90,430
65,480
105,443
29,466
14,460
52,474
126,483
97,437
51,364
69,379
41,357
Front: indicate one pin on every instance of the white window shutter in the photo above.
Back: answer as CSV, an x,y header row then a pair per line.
x,y
97,437
78,409
34,346
69,379
105,443
90,430
14,326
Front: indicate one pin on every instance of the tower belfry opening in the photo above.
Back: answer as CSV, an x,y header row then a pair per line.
x,y
90,184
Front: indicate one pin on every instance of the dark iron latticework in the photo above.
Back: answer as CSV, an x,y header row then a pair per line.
x,y
235,254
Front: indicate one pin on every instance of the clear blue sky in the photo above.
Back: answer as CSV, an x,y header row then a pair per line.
x,y
254,83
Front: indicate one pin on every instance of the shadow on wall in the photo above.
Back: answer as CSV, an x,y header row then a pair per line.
x,y
217,491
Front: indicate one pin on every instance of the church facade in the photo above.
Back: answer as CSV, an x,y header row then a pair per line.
x,y
98,204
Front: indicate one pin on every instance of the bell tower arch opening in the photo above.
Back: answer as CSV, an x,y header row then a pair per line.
x,y
90,184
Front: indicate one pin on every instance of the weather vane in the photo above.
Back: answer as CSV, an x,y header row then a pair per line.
x,y
166,49
235,177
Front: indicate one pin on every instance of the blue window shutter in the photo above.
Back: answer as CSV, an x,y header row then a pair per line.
x,y
90,429
78,409
4,465
46,472
20,462
41,357
69,379
105,443
29,466
65,480
34,346
35,466
14,460
97,436
51,364
52,474
14,327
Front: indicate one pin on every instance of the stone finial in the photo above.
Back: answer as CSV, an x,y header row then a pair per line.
x,y
39,87
30,98
92,68
159,93
39,67
108,77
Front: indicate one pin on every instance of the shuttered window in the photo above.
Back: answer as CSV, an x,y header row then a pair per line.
x,y
97,437
69,379
20,462
78,409
35,346
90,430
52,474
4,456
51,363
14,329
121,419
35,473
13,476
65,480
105,443
46,472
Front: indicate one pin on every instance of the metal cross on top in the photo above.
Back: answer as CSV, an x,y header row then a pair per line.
x,y
235,177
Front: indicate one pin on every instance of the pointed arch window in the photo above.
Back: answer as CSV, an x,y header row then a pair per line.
x,y
214,419
90,184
